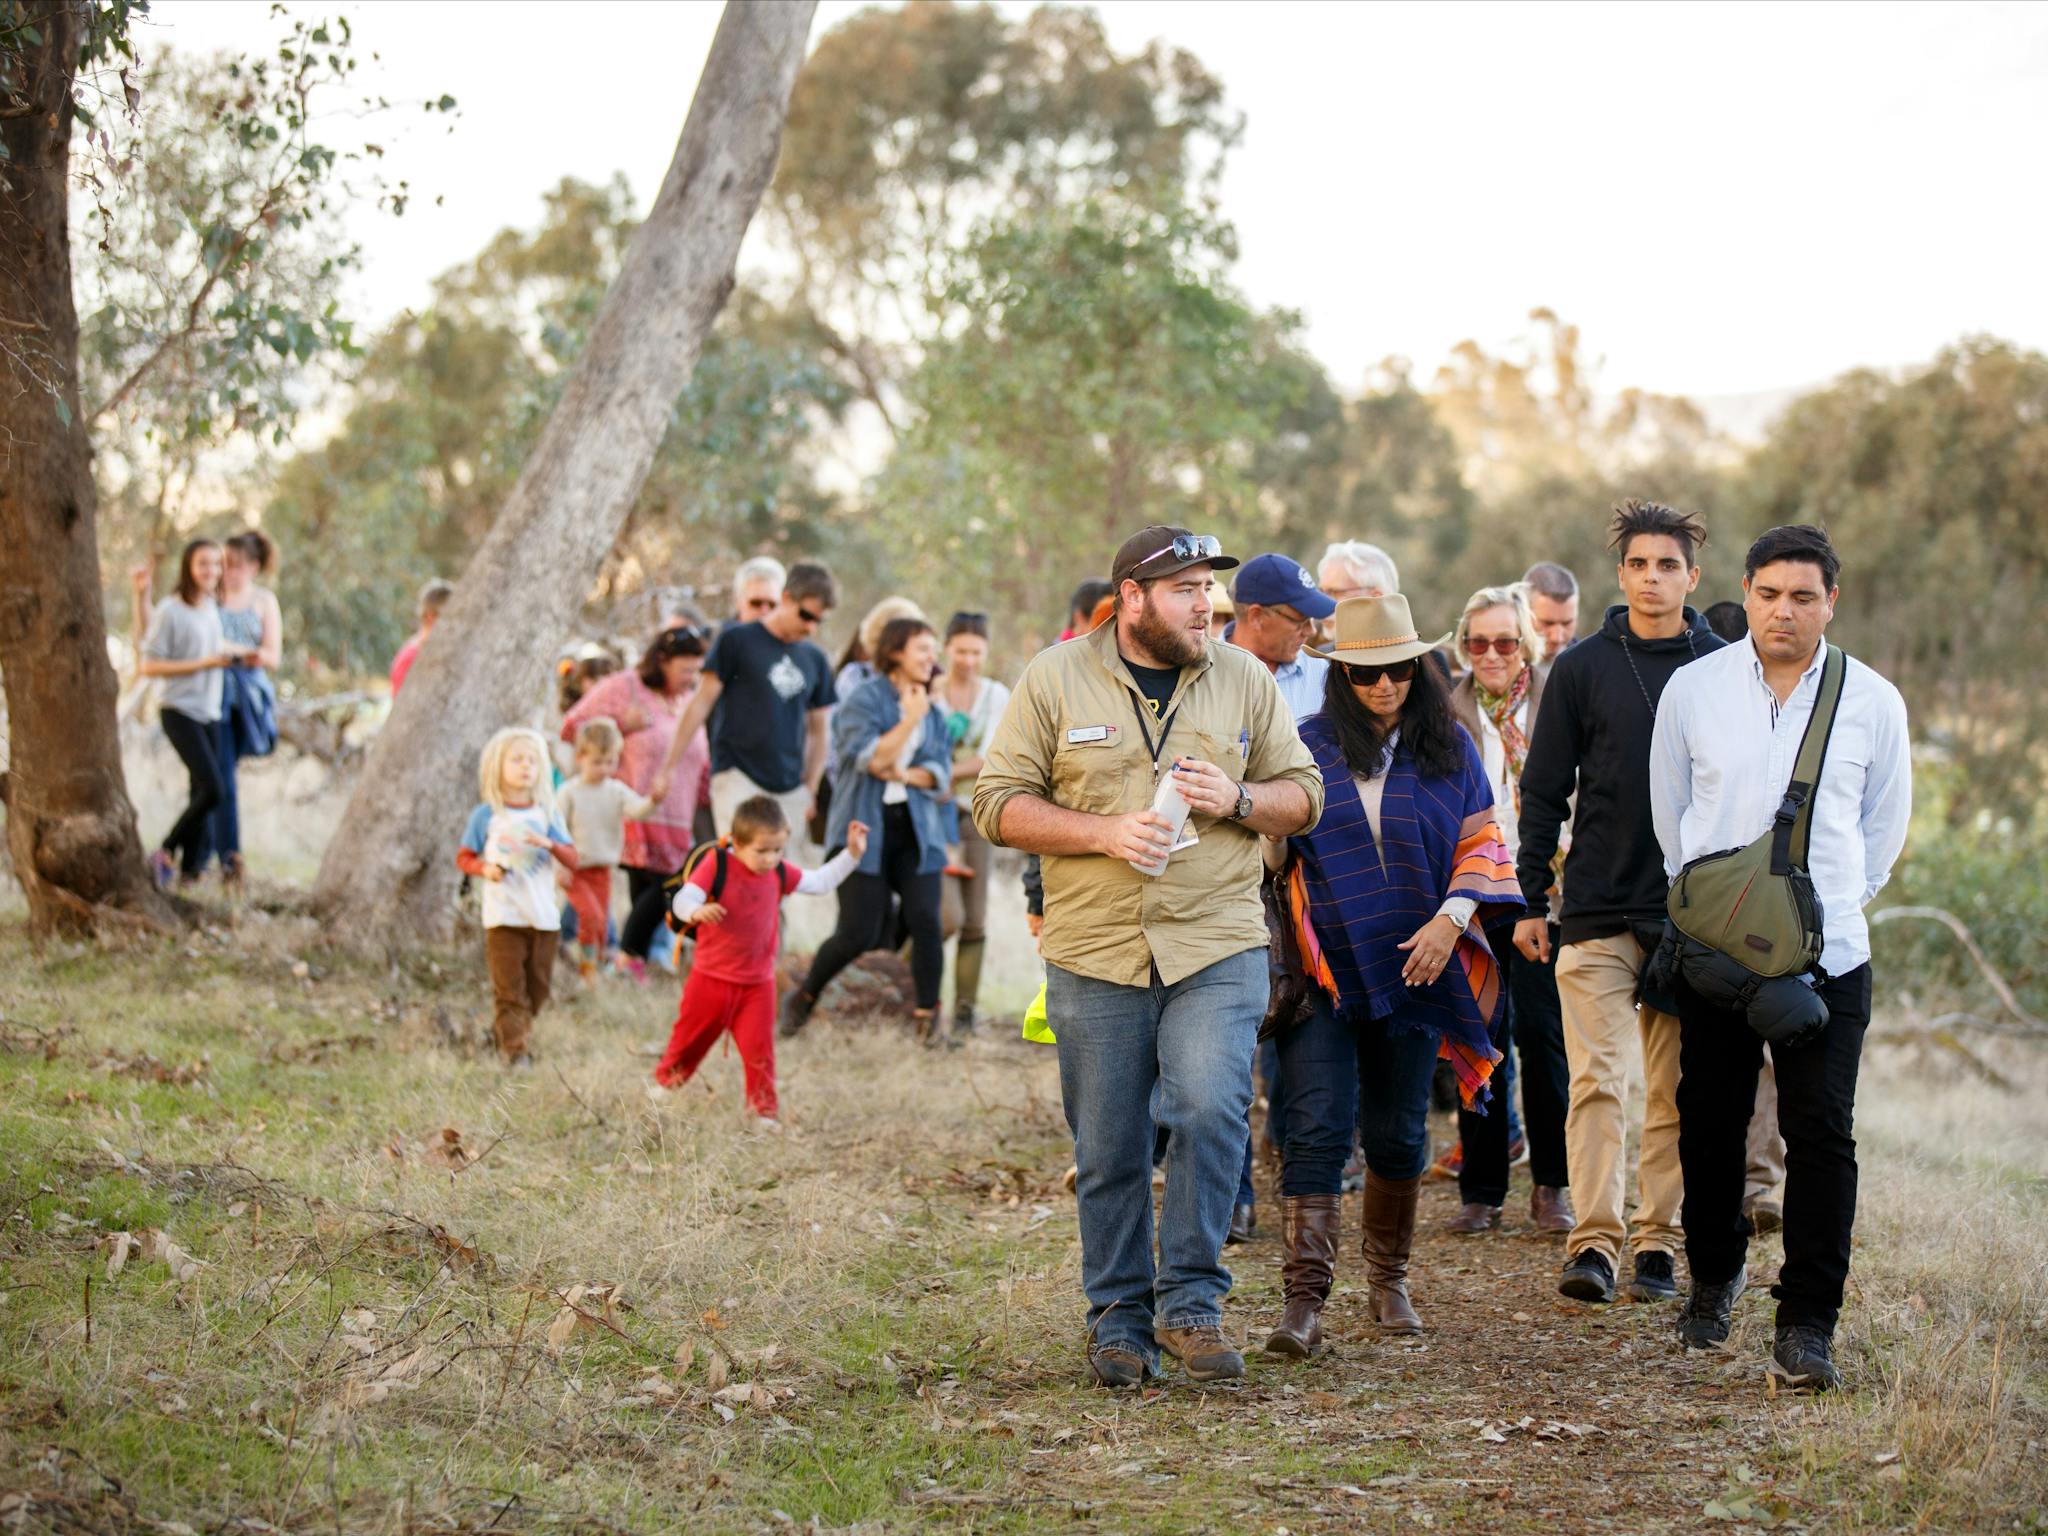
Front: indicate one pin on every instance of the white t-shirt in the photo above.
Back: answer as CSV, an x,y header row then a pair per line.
x,y
526,897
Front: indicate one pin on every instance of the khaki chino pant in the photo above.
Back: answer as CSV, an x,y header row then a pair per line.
x,y
1596,983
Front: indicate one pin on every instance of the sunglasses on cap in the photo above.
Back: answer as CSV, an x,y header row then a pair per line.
x,y
674,639
1365,676
1186,546
964,623
1500,645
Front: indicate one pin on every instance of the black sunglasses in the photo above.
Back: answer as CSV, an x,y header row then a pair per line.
x,y
807,616
1365,676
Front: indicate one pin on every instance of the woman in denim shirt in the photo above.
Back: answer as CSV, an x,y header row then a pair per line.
x,y
892,768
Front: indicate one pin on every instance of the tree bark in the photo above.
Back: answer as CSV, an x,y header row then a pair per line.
x,y
70,828
389,873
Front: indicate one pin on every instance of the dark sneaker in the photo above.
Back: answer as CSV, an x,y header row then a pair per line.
x,y
1203,1350
162,870
1804,1360
1116,1365
1588,1277
965,1019
1705,1320
796,1012
1654,1278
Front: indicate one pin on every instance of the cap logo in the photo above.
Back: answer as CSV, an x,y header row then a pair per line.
x,y
1306,579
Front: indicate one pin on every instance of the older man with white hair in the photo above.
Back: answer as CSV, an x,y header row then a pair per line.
x,y
757,588
1354,568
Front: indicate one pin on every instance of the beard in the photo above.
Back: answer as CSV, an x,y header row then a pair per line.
x,y
1169,645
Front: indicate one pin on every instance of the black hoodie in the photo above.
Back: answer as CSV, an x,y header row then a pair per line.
x,y
1593,736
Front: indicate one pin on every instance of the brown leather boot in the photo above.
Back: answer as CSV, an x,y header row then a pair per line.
x,y
1551,1209
1310,1224
1389,1239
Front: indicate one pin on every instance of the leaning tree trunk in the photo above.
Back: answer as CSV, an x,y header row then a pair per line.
x,y
70,829
389,873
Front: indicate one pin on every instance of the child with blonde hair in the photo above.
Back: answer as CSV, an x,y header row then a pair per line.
x,y
595,805
509,844
731,898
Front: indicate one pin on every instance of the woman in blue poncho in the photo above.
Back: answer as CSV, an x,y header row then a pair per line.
x,y
1389,894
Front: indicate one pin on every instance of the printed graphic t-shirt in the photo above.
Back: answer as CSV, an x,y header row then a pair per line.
x,y
771,687
525,898
741,947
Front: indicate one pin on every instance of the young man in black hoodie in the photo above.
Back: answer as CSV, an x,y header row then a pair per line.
x,y
1593,739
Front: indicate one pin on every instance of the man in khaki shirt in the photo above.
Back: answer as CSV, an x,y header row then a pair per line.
x,y
1153,982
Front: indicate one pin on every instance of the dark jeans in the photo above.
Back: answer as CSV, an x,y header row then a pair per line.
x,y
867,916
1719,1057
193,741
643,889
1534,1022
224,827
1335,1075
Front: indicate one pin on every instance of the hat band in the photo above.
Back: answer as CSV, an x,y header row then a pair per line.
x,y
1375,645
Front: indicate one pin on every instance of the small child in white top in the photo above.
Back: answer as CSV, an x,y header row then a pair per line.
x,y
595,806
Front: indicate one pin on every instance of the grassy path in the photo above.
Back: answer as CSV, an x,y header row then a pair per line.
x,y
412,1293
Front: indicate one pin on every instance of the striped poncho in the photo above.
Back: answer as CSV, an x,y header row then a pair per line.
x,y
1351,911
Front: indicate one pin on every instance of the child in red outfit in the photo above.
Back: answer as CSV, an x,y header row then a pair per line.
x,y
732,976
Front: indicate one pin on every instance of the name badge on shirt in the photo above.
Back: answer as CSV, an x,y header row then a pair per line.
x,y
1081,734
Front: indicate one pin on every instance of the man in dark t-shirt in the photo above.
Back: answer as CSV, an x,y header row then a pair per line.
x,y
766,693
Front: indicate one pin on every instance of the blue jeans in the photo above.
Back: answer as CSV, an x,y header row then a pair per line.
x,y
224,826
1192,1043
1333,1075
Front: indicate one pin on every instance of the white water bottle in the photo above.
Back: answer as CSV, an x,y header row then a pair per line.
x,y
1168,805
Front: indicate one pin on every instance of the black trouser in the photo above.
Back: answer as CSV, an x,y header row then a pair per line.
x,y
867,917
1534,1021
643,889
190,837
1718,1060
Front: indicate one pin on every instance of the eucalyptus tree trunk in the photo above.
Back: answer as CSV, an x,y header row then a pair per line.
x,y
70,828
389,873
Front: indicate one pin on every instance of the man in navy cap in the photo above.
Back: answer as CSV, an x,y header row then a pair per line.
x,y
1278,607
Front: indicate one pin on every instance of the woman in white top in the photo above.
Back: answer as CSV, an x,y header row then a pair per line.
x,y
973,703
185,648
1497,701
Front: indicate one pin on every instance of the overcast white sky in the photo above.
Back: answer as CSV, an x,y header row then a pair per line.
x,y
1726,198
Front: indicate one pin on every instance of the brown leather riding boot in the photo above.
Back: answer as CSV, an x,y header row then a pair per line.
x,y
1389,1238
1309,1224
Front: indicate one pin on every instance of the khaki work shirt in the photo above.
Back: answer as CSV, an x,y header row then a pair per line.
x,y
1071,736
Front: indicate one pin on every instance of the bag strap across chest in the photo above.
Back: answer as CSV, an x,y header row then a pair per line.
x,y
1792,824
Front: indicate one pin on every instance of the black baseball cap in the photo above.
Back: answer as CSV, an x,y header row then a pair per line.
x,y
1162,549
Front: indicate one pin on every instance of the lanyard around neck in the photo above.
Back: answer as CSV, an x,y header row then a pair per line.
x,y
1138,707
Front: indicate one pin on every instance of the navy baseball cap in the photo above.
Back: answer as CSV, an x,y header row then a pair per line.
x,y
1275,579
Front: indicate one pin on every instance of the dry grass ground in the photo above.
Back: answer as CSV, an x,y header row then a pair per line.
x,y
429,1296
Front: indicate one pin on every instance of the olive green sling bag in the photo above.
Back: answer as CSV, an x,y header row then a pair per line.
x,y
1757,904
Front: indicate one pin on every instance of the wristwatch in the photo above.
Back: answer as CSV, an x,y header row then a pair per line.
x,y
1244,804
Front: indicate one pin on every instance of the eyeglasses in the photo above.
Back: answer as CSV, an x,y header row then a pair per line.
x,y
1189,547
807,616
761,604
1365,676
1500,645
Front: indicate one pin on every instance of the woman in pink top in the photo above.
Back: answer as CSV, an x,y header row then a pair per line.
x,y
646,704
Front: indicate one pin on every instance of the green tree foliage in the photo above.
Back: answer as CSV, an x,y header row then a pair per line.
x,y
911,125
447,403
1932,486
1105,376
211,270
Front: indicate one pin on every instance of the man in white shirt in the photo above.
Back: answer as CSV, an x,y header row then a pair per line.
x,y
1727,735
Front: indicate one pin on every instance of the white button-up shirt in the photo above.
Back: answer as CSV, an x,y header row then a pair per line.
x,y
1721,757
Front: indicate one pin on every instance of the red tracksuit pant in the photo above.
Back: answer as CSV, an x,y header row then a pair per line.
x,y
710,1008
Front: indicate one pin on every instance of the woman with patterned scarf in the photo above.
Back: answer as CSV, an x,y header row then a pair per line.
x,y
1497,701
1391,893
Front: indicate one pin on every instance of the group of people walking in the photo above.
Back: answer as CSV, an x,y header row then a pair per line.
x,y
1387,866
1325,841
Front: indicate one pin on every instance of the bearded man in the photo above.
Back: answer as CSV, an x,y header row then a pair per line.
x,y
1155,982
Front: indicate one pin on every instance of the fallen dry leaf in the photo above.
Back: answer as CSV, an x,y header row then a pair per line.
x,y
561,1328
715,1373
686,1353
156,1247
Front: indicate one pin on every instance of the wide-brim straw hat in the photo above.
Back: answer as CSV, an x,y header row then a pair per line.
x,y
1373,631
